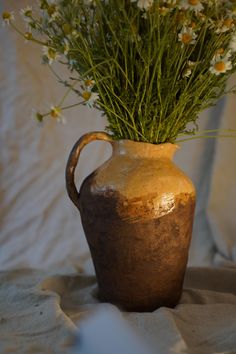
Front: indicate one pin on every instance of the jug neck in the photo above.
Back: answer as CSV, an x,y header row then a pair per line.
x,y
144,150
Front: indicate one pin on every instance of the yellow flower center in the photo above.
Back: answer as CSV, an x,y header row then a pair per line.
x,y
186,38
86,95
28,36
220,66
193,2
220,51
88,82
51,9
52,53
181,17
28,13
55,112
228,22
163,10
201,16
6,16
193,24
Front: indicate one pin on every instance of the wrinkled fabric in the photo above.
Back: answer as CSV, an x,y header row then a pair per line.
x,y
40,227
42,310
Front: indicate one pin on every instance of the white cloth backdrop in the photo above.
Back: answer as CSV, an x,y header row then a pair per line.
x,y
40,228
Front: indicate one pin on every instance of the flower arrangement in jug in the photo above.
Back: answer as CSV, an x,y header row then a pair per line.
x,y
150,66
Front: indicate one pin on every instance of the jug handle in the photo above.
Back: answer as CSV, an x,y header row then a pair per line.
x,y
74,158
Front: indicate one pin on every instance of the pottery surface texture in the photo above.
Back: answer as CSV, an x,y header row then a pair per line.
x,y
137,213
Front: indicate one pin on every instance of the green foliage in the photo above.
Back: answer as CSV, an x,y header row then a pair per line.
x,y
154,64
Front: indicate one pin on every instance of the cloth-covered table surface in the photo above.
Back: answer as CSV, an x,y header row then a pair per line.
x,y
44,312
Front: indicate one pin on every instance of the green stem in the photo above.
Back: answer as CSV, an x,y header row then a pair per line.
x,y
23,35
211,131
206,137
72,105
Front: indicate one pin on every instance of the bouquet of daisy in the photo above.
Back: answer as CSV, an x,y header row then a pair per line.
x,y
151,66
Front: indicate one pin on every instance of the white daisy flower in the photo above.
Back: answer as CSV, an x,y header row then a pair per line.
x,y
188,69
144,4
187,72
187,36
73,35
220,52
7,17
163,10
220,65
66,47
170,3
50,54
225,25
194,5
89,83
90,98
28,36
27,13
191,63
55,112
52,11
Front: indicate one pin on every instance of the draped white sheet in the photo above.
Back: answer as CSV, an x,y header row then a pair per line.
x,y
40,228
40,312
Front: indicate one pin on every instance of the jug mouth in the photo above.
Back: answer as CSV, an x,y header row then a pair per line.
x,y
143,149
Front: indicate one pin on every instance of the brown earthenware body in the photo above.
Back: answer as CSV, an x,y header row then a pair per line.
x,y
137,213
